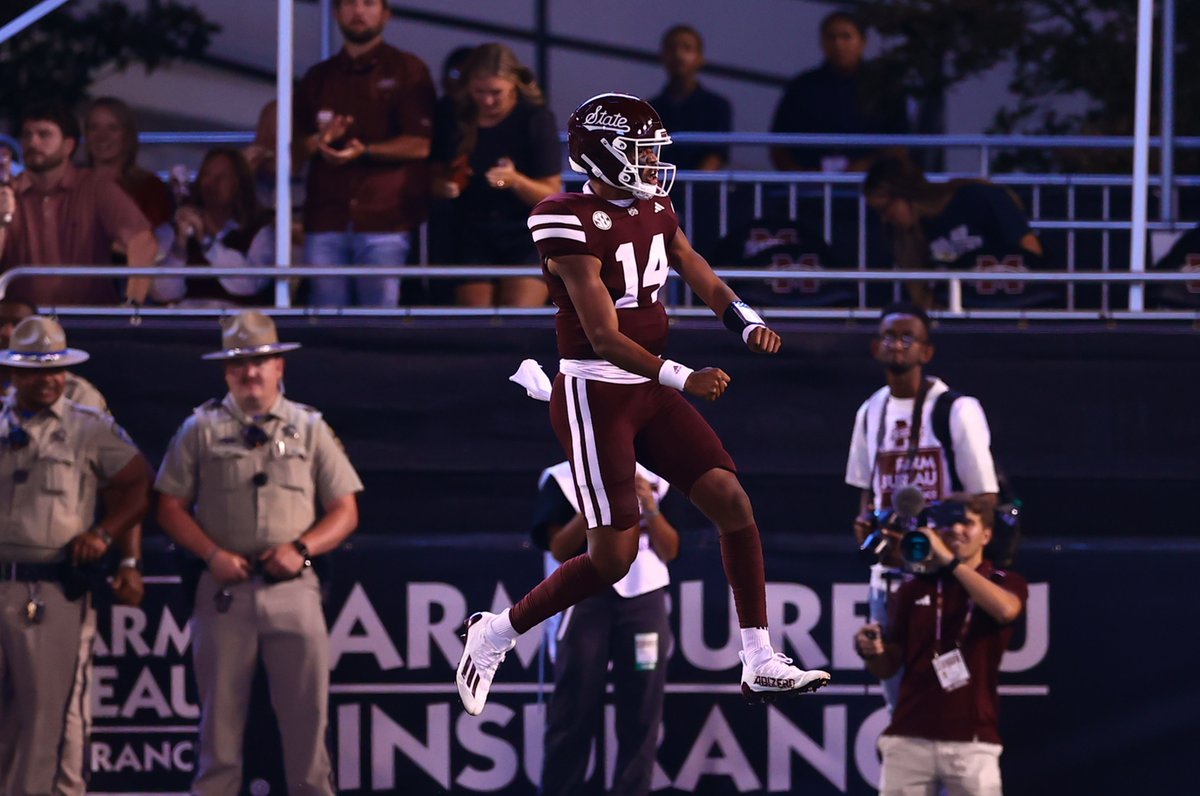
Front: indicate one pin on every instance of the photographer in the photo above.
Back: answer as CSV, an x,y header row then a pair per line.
x,y
949,629
913,437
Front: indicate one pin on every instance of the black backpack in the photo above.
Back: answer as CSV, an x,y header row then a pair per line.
x,y
1006,533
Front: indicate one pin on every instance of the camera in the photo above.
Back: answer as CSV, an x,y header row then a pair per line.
x,y
910,512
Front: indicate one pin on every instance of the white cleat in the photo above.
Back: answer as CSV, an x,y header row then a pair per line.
x,y
479,660
776,677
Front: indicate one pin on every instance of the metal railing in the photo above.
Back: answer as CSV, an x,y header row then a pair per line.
x,y
954,280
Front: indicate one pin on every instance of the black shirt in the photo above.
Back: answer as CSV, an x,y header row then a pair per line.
x,y
980,220
702,111
528,136
824,100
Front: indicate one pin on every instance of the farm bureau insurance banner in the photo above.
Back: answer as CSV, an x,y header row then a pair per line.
x,y
396,722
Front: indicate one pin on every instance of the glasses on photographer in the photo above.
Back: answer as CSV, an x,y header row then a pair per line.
x,y
905,341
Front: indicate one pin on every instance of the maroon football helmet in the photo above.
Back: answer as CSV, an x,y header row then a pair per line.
x,y
617,139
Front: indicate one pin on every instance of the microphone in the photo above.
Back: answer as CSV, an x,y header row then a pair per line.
x,y
908,503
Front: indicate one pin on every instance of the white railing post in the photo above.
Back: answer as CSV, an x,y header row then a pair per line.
x,y
1141,152
283,151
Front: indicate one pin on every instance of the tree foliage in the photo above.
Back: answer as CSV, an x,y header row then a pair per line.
x,y
61,55
1073,63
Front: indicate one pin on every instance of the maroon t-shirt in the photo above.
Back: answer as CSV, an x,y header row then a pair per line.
x,y
630,239
390,94
924,709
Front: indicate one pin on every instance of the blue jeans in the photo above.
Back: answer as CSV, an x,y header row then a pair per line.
x,y
877,611
356,248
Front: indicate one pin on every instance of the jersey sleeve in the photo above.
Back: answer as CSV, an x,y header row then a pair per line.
x,y
557,231
972,440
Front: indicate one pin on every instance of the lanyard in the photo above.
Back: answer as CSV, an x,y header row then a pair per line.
x,y
937,627
914,425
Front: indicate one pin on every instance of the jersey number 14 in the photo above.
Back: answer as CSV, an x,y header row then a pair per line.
x,y
654,276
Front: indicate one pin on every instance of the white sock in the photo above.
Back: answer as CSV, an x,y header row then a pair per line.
x,y
501,629
756,642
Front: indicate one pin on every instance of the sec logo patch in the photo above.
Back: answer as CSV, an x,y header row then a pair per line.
x,y
601,220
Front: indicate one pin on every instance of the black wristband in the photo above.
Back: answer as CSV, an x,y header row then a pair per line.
x,y
952,564
739,315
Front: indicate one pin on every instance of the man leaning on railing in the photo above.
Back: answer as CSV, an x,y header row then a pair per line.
x,y
57,214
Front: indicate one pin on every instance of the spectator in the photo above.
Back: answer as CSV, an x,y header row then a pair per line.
x,y
63,215
961,224
500,159
225,227
686,106
842,95
255,486
364,121
948,631
51,530
896,442
626,624
111,145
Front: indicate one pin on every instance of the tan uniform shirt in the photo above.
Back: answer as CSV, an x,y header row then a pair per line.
x,y
84,393
250,499
48,488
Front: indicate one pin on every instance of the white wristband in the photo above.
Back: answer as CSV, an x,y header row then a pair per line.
x,y
746,332
672,374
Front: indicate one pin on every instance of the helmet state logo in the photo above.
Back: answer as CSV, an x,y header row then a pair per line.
x,y
598,119
601,220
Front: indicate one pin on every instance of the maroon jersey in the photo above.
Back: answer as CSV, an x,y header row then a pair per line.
x,y
630,240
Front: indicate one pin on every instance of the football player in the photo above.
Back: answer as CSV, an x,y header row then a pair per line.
x,y
605,255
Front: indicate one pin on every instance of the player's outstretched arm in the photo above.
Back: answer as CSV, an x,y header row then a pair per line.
x,y
580,274
720,298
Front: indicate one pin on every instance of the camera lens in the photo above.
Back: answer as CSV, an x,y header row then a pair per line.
x,y
915,547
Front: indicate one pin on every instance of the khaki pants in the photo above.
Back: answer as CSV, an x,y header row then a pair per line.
x,y
284,624
42,669
916,766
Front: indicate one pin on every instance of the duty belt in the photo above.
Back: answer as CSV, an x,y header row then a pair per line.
x,y
28,573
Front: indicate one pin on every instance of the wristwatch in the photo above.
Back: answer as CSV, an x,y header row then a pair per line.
x,y
952,564
302,549
101,534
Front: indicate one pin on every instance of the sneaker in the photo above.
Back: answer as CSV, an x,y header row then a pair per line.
x,y
480,658
776,677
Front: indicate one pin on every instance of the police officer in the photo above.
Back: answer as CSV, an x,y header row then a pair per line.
x,y
56,456
239,487
127,582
